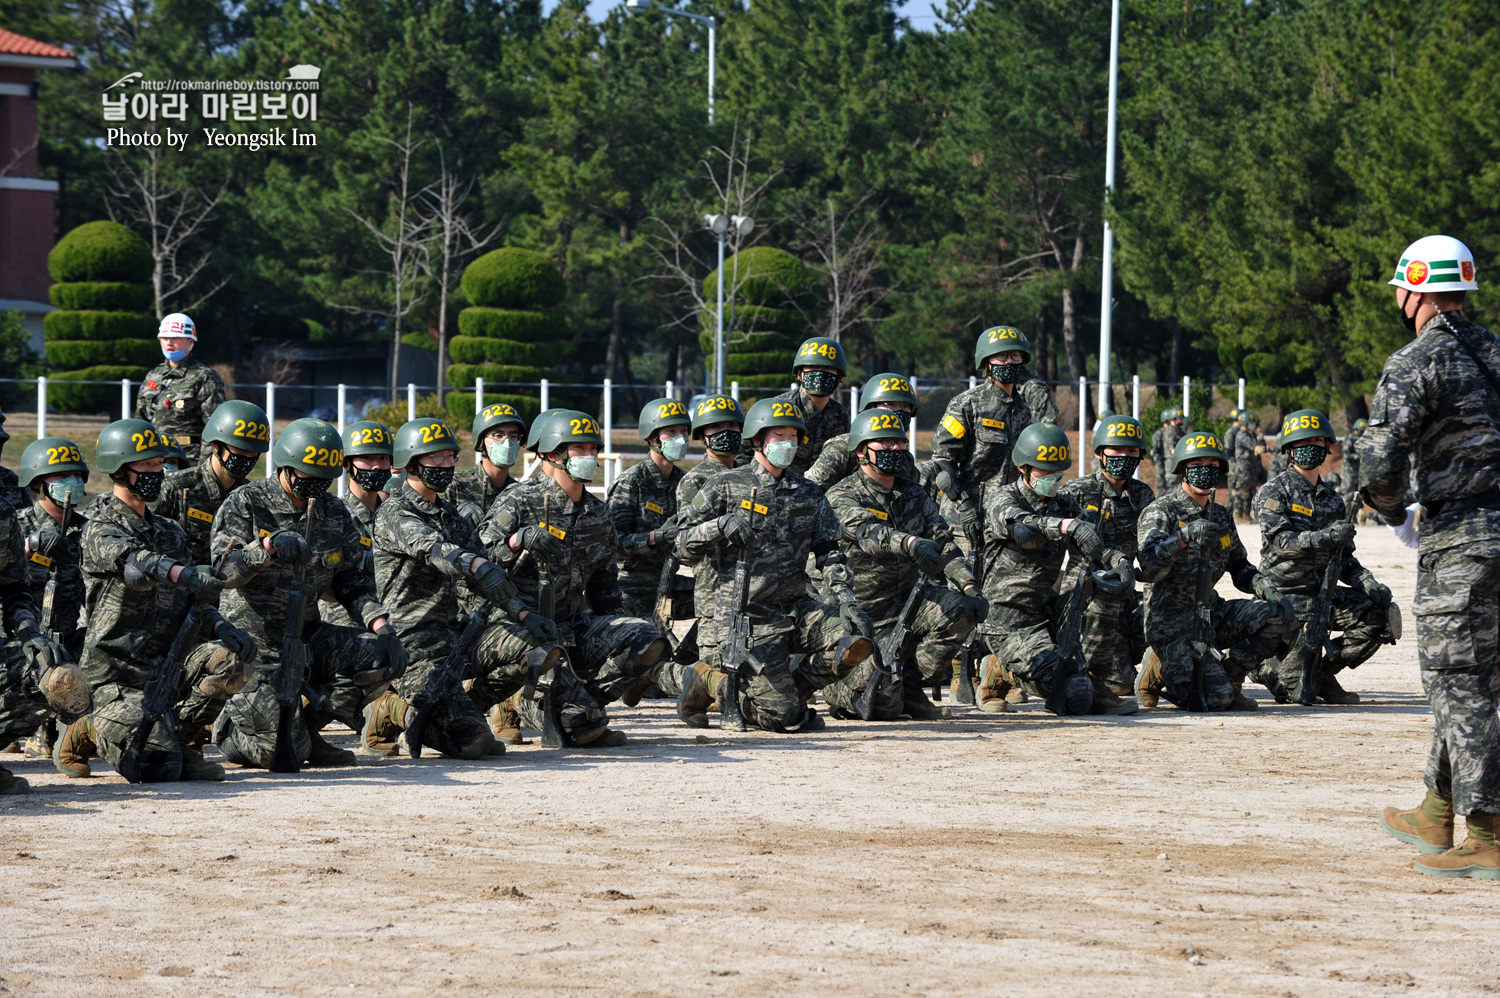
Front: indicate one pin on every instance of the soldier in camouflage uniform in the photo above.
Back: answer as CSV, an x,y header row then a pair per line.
x,y
238,432
1029,527
367,462
1112,498
1246,473
10,489
882,391
272,525
179,396
643,502
974,440
139,583
1302,522
1349,478
1163,443
553,522
776,518
1436,404
818,368
1176,533
423,548
894,538
1280,461
498,429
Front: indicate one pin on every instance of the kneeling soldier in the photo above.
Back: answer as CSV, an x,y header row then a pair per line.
x,y
283,529
643,501
498,429
894,539
367,462
239,434
838,461
1187,543
1303,522
140,583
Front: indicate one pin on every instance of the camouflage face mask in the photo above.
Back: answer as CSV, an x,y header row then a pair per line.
x,y
1120,466
1309,456
819,383
1202,476
1006,374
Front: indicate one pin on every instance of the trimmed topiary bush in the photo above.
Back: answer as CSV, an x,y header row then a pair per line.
x,y
106,329
107,296
100,251
513,330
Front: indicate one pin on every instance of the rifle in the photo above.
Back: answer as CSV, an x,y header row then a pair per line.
x,y
1314,637
1071,662
973,645
890,652
552,693
444,682
295,660
736,651
1202,640
161,692
49,594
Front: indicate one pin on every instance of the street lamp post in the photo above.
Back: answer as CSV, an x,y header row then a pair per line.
x,y
1107,291
719,225
641,6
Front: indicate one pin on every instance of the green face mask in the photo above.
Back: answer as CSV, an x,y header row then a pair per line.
x,y
581,469
60,489
674,449
781,453
1047,485
503,453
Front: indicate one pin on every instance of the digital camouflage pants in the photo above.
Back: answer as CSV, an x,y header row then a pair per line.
x,y
1361,626
1246,631
22,706
1114,637
1457,609
939,630
607,655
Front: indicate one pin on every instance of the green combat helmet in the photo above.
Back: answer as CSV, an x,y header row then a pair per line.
x,y
774,412
542,418
1360,424
1304,424
126,441
241,424
661,413
421,436
715,409
1196,445
1119,431
820,351
882,389
176,457
1001,339
1167,415
875,426
50,456
1043,446
492,416
311,446
365,438
557,428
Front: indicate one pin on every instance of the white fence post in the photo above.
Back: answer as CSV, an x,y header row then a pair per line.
x,y
124,398
1187,398
734,390
1242,393
411,401
609,432
671,390
271,420
343,397
911,427
973,382
853,404
1135,397
1083,425
546,390
41,407
478,408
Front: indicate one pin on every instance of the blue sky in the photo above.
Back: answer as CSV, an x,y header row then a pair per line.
x,y
919,12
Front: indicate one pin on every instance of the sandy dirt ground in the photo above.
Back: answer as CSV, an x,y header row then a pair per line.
x,y
1013,854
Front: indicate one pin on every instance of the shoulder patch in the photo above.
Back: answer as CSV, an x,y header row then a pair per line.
x,y
953,426
1274,505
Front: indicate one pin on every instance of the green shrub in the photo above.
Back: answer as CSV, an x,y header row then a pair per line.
x,y
512,324
767,276
463,375
421,341
316,330
98,326
67,397
100,251
514,278
760,363
479,349
777,382
72,354
461,405
763,342
392,415
106,296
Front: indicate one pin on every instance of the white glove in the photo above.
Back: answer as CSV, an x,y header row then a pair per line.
x,y
1407,532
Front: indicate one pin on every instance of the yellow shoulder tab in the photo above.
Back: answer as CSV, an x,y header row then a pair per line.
x,y
953,426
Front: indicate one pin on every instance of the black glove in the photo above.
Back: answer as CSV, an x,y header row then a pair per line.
x,y
390,652
288,545
735,528
1334,535
856,621
975,604
1378,592
1266,589
971,519
46,541
542,630
493,583
1201,533
666,534
542,543
43,654
928,554
1124,574
1085,537
202,580
237,641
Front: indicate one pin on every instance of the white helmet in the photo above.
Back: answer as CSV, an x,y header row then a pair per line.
x,y
1436,263
178,324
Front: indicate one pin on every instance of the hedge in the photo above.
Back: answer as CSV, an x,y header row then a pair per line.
x,y
758,319
108,296
420,341
760,363
90,398
777,382
91,325
69,354
512,324
461,405
100,251
463,375
767,276
514,278
478,349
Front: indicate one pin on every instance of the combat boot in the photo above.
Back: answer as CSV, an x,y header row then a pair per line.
x,y
1478,857
74,745
1331,692
995,686
915,704
692,701
1110,704
324,754
600,738
382,724
1428,826
10,783
633,694
505,724
1240,701
194,766
1149,682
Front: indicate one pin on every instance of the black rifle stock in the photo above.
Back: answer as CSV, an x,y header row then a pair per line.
x,y
49,594
552,692
160,694
1070,658
974,642
444,682
295,660
736,651
1313,641
890,652
1202,642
